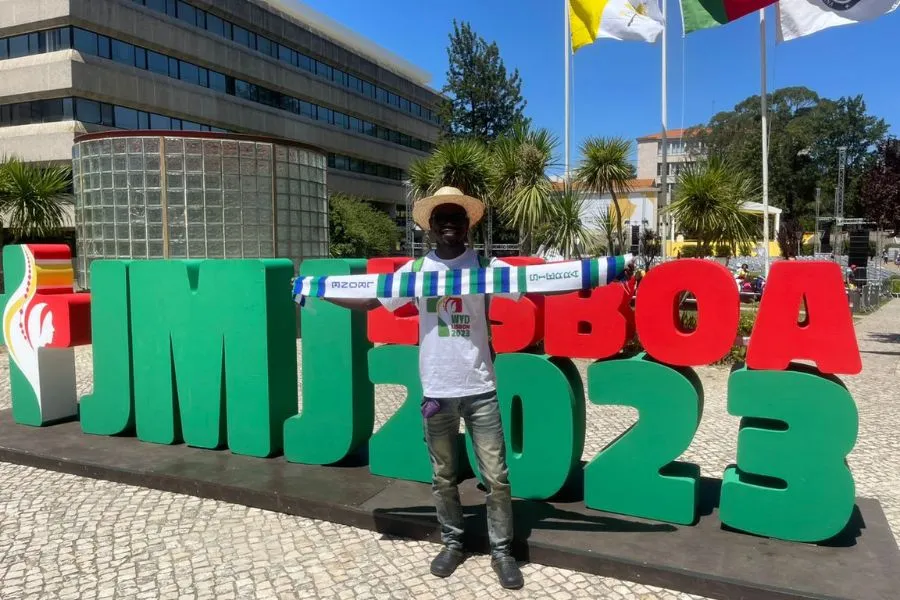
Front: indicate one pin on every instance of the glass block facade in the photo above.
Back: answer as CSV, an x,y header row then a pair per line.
x,y
210,196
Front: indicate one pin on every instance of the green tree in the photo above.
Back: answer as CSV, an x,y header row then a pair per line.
x,y
483,100
519,164
805,132
565,232
33,198
606,169
708,205
359,230
790,238
650,247
879,186
463,163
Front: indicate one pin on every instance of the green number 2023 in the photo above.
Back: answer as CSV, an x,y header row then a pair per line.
x,y
791,480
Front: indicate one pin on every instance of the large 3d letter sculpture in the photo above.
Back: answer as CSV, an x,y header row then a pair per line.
x,y
205,352
825,336
109,410
637,474
338,408
214,353
542,410
43,320
398,449
791,480
658,319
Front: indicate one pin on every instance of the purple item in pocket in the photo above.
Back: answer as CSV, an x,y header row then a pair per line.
x,y
430,407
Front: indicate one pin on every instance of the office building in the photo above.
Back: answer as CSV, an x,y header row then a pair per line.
x,y
252,67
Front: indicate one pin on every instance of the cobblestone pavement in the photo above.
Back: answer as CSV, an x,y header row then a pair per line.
x,y
67,537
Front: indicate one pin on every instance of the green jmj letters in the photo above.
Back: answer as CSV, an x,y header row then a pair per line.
x,y
542,410
213,354
110,409
398,449
791,481
635,474
338,409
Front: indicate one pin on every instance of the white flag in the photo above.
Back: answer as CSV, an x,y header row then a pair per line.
x,y
803,17
631,20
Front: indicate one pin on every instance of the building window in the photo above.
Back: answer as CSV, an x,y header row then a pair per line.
x,y
123,53
157,63
126,118
140,58
57,39
240,35
88,111
160,122
103,47
264,45
85,41
217,81
18,46
189,73
243,89
187,13
215,25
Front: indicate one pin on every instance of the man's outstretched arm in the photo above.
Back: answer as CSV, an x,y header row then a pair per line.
x,y
364,304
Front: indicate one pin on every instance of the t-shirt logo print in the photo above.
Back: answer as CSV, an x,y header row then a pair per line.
x,y
451,320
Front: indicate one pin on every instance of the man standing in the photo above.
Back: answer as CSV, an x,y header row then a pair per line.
x,y
458,381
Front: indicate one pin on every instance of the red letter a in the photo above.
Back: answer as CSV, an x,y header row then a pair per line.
x,y
826,337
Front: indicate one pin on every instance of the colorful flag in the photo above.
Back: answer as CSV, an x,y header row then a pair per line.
x,y
703,14
626,20
803,17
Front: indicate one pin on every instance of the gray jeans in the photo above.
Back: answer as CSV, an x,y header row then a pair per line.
x,y
482,417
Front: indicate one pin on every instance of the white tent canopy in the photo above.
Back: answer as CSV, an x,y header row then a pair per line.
x,y
758,208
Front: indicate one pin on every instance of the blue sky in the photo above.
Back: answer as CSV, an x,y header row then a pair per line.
x,y
617,84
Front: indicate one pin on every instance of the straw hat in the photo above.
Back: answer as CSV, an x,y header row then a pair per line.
x,y
447,195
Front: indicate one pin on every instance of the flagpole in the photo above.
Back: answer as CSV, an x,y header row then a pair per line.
x,y
765,136
664,176
568,52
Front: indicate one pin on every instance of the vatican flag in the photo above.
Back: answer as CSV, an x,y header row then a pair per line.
x,y
627,20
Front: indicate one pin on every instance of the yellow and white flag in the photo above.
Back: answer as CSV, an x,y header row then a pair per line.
x,y
626,20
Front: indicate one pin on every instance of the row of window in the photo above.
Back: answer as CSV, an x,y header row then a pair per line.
x,y
210,22
357,165
678,147
91,111
122,117
88,42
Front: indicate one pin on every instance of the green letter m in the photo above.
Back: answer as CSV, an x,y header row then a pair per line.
x,y
214,351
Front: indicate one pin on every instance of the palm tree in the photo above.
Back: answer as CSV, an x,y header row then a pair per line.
x,y
605,169
33,198
605,237
708,204
524,192
462,163
566,232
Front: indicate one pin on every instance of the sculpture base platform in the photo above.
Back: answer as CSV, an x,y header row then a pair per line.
x,y
863,563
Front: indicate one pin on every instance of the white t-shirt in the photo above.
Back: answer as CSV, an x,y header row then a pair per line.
x,y
454,350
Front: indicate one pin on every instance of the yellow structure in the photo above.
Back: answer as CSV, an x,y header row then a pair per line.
x,y
676,248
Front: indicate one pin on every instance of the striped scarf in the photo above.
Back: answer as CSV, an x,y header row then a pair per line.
x,y
552,277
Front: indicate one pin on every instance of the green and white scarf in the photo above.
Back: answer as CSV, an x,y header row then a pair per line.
x,y
552,277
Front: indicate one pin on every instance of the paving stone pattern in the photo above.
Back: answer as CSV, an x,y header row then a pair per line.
x,y
70,538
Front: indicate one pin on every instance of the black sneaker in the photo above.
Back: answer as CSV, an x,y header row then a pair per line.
x,y
446,562
508,572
